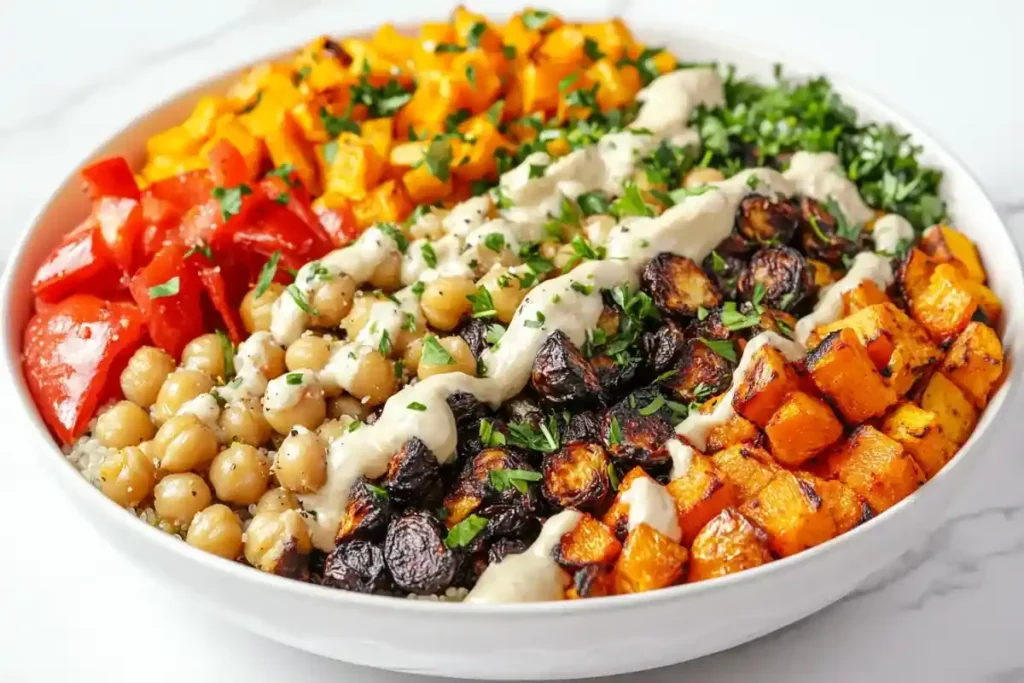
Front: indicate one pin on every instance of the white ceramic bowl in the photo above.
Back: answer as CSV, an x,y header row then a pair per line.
x,y
538,641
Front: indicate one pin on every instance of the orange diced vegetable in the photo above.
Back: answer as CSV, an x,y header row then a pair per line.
x,y
767,382
729,543
975,362
843,371
700,494
748,468
792,513
921,434
876,467
649,560
801,428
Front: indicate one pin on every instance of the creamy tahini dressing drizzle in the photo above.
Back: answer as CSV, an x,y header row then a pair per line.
x,y
531,576
890,230
866,266
682,458
651,504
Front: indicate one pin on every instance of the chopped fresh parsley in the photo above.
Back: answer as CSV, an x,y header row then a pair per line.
x,y
230,199
489,436
336,125
653,407
417,406
483,304
463,533
613,476
429,255
723,347
385,343
494,333
614,432
201,248
378,492
592,49
502,479
535,20
300,299
631,203
293,378
228,351
585,290
545,439
495,241
434,353
593,204
395,233
165,289
267,274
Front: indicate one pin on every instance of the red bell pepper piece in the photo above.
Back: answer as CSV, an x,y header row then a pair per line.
x,y
296,200
81,263
340,224
217,291
184,191
71,350
121,224
169,293
111,178
227,165
272,227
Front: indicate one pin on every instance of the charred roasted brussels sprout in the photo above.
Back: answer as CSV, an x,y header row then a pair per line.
x,y
474,332
584,426
724,268
778,277
504,547
765,220
636,429
367,513
577,476
711,327
523,409
679,286
702,372
412,473
476,486
824,236
416,555
661,348
356,566
510,520
467,409
769,320
615,376
562,375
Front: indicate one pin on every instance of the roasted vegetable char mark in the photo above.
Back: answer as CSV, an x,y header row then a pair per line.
x,y
702,372
412,473
779,277
679,286
477,488
636,429
416,554
357,566
561,375
367,513
763,221
577,477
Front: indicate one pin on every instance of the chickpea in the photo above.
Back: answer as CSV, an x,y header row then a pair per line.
x,y
301,462
145,373
566,254
701,176
444,301
216,530
270,534
262,351
332,430
205,354
178,497
124,424
549,249
126,476
374,380
256,310
239,474
461,356
412,355
506,292
184,443
347,405
308,352
180,387
277,499
388,275
356,320
307,409
333,300
244,422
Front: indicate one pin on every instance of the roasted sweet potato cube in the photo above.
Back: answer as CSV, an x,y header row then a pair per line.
x,y
700,494
948,245
617,516
921,434
791,512
945,306
679,286
592,581
649,560
954,411
989,304
914,273
736,430
747,467
765,385
727,544
801,428
867,293
845,505
899,347
842,370
975,362
876,467
589,542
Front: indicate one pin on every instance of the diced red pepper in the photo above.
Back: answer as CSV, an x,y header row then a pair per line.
x,y
227,165
81,263
217,291
272,227
340,224
298,202
121,224
111,177
184,191
71,349
169,292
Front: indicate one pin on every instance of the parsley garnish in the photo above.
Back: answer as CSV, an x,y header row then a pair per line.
x,y
613,476
378,492
293,378
592,49
164,289
535,20
448,48
483,304
614,432
653,407
429,255
439,158
545,439
267,274
585,290
723,347
336,125
463,533
434,353
502,479
201,248
416,405
593,204
284,172
385,343
395,233
489,436
631,203
495,241
495,111
494,333
475,34
230,199
228,350
300,299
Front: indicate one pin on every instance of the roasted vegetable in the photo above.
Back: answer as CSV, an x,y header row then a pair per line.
x,y
792,513
589,543
577,476
945,305
475,486
523,409
367,513
821,273
947,245
724,269
584,426
711,327
636,429
975,362
914,273
876,467
765,220
616,517
503,547
920,433
416,554
801,428
843,371
468,412
778,277
562,375
765,385
356,566
661,348
700,494
649,561
952,408
846,507
412,472
592,581
614,376
701,372
820,236
748,468
736,430
679,286
727,544
863,295
474,331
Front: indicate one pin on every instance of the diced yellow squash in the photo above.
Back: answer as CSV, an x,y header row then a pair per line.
x,y
355,167
767,382
173,143
792,513
208,109
975,362
380,134
921,434
729,543
951,406
945,306
286,146
876,467
700,494
842,370
948,245
801,428
748,468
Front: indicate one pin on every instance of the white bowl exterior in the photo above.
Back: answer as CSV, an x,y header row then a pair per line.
x,y
541,641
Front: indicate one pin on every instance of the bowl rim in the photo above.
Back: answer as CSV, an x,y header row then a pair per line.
x,y
10,344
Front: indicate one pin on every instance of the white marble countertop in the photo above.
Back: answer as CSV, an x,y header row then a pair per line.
x,y
70,608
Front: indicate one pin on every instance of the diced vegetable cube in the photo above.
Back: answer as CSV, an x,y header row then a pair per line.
x,y
617,515
843,371
948,245
975,362
589,542
792,513
727,544
700,494
954,411
867,293
801,428
846,507
767,382
876,467
649,560
747,467
945,306
921,434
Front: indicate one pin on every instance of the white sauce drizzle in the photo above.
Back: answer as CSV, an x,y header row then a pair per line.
x,y
819,175
866,266
649,503
285,391
531,576
682,458
205,407
890,230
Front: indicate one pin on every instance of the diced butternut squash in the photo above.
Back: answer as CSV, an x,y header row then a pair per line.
x,y
352,167
914,273
617,515
989,304
592,581
801,428
945,306
727,544
208,109
286,146
792,513
846,507
617,86
876,467
386,203
747,467
380,134
975,362
424,187
613,37
477,158
951,406
564,44
821,273
947,245
589,542
921,434
649,560
765,386
867,293
736,430
700,494
843,371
